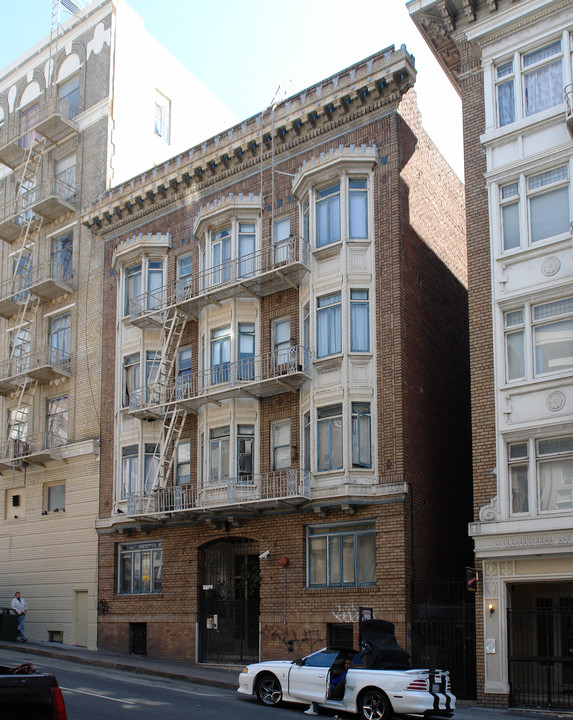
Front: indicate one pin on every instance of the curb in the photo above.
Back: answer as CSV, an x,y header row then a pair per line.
x,y
119,665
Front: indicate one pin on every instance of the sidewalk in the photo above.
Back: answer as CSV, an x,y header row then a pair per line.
x,y
222,676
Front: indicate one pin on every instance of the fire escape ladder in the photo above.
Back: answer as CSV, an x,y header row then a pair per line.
x,y
169,437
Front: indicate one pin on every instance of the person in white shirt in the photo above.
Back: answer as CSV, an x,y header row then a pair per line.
x,y
21,607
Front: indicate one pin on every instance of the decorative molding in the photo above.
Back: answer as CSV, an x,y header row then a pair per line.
x,y
555,401
490,512
490,569
551,266
534,542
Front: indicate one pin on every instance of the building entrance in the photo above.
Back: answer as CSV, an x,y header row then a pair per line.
x,y
229,602
540,645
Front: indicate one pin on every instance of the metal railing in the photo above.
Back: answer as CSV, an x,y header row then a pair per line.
x,y
241,373
232,272
22,126
276,485
25,363
18,287
21,206
20,448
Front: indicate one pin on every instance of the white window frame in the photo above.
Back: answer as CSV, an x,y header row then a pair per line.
x,y
53,504
162,117
145,292
278,448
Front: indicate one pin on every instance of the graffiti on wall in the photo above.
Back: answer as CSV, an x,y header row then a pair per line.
x,y
303,641
346,613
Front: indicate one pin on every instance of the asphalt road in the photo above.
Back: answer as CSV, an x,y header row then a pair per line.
x,y
94,693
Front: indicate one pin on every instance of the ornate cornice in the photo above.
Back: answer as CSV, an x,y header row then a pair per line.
x,y
367,87
521,544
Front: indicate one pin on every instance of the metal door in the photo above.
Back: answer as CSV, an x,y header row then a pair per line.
x,y
229,603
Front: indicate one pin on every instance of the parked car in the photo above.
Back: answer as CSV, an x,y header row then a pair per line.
x,y
26,694
378,683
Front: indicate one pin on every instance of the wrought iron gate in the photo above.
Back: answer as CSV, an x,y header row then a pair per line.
x,y
444,633
229,603
540,646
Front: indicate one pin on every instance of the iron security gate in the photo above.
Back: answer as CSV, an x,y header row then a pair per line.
x,y
444,634
540,643
229,603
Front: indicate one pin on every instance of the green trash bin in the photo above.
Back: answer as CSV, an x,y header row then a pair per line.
x,y
8,624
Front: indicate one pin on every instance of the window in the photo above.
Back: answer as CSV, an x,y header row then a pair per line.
x,y
361,436
518,460
183,365
61,257
544,215
246,367
28,119
162,116
131,381
280,438
246,249
219,455
129,470
357,209
140,566
17,431
183,467
59,339
306,326
69,97
65,177
341,555
540,73
55,498
281,341
306,433
328,215
221,256
555,473
551,338
23,270
245,452
329,325
143,287
184,277
19,351
359,321
151,466
220,354
281,235
329,430
57,422
540,473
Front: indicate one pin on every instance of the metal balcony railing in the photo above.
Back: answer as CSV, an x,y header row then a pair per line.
x,y
44,281
21,127
290,486
261,375
22,448
267,271
43,365
51,199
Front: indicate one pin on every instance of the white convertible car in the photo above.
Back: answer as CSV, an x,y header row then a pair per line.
x,y
375,694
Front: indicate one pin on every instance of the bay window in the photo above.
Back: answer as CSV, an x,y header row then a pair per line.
x,y
328,215
550,327
143,287
129,470
359,321
220,354
329,431
131,381
357,209
245,452
150,466
341,555
329,325
361,435
219,455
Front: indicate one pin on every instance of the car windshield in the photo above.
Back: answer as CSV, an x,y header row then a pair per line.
x,y
324,658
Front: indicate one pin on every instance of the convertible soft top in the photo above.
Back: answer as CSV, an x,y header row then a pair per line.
x,y
379,648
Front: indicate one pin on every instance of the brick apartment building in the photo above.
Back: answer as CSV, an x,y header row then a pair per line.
x,y
285,415
511,62
67,133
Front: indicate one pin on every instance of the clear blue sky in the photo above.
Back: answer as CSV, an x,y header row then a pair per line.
x,y
242,51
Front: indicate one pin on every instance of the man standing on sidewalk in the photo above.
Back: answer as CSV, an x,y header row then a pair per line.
x,y
21,607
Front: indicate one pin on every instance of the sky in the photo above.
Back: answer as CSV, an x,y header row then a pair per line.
x,y
244,50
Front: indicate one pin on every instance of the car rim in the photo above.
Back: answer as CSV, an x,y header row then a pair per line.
x,y
270,692
373,706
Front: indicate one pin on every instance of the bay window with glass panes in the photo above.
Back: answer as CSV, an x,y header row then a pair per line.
x,y
535,208
530,82
341,555
229,253
143,286
230,454
539,340
540,473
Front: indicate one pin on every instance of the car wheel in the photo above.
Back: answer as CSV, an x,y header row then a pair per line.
x,y
374,705
269,690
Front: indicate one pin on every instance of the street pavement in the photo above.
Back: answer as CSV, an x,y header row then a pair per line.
x,y
223,676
